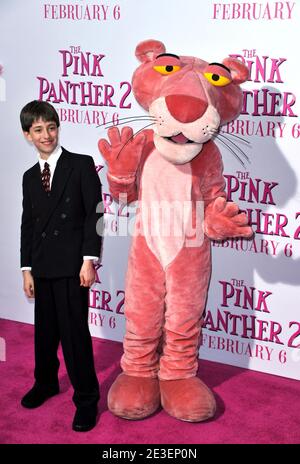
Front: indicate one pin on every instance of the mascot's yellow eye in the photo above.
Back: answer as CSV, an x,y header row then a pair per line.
x,y
168,69
217,79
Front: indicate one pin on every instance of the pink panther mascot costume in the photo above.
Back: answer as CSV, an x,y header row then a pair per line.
x,y
176,162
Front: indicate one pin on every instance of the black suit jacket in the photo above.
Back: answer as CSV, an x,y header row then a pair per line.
x,y
59,228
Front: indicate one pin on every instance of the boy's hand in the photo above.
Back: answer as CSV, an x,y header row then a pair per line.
x,y
28,284
87,273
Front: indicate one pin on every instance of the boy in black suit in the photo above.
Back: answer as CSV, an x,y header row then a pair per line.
x,y
59,243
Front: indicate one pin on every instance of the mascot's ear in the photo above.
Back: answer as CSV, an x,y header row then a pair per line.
x,y
239,71
148,50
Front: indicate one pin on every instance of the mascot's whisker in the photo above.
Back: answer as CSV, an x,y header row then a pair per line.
x,y
235,146
231,150
242,139
129,119
132,120
221,136
226,134
133,135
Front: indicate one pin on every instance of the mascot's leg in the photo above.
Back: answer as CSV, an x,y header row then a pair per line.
x,y
135,393
183,395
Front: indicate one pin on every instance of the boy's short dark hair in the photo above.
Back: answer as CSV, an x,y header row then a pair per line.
x,y
37,110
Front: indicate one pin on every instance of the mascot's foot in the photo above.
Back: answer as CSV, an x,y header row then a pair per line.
x,y
187,399
134,397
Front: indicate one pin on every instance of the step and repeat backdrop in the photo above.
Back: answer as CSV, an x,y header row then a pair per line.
x,y
79,56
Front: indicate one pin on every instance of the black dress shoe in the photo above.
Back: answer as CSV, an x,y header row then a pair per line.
x,y
37,396
84,419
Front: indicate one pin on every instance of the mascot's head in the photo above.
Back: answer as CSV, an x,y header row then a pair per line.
x,y
187,97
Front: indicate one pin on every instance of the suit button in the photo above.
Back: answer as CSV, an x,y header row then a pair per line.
x,y
44,234
68,199
63,215
37,219
48,194
56,232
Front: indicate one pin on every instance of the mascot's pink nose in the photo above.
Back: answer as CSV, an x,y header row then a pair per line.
x,y
185,108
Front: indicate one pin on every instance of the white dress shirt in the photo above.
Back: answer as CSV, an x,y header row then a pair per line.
x,y
52,161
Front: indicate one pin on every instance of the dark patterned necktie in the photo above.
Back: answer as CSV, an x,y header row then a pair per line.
x,y
46,177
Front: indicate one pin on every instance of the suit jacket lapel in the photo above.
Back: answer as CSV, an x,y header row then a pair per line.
x,y
36,182
61,176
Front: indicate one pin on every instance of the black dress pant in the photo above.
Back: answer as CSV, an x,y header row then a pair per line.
x,y
61,315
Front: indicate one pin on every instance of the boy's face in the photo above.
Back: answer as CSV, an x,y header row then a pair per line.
x,y
43,135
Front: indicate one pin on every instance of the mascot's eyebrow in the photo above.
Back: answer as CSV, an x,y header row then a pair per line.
x,y
222,66
168,54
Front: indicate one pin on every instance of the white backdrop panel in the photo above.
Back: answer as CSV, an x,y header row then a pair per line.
x,y
252,318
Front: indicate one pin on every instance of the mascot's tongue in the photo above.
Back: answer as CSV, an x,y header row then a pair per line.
x,y
180,138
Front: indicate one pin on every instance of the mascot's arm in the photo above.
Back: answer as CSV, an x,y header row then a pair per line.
x,y
221,219
123,156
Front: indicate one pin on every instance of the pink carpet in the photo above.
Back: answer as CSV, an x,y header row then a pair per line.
x,y
252,407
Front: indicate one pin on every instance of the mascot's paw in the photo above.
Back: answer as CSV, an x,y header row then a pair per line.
x,y
134,397
187,399
223,219
124,151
